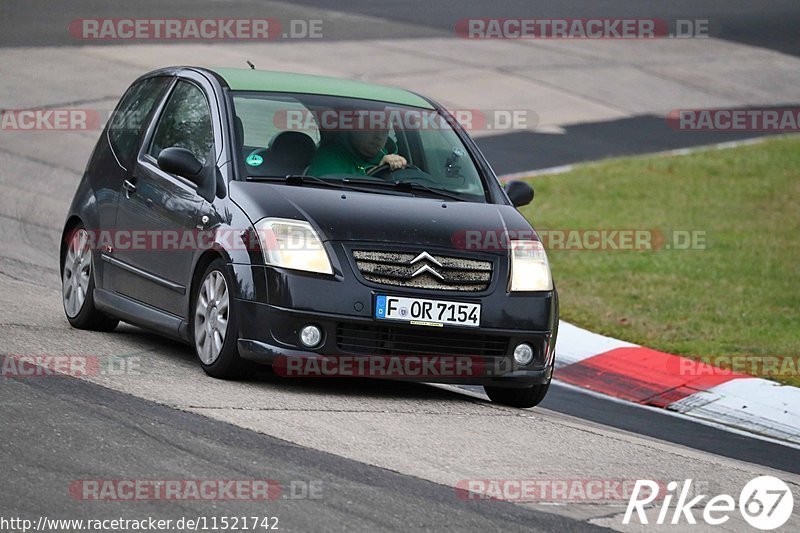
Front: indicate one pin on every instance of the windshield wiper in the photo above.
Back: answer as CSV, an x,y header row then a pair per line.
x,y
402,186
411,185
300,179
407,186
294,179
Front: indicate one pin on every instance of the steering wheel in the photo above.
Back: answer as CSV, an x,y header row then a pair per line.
x,y
379,170
410,172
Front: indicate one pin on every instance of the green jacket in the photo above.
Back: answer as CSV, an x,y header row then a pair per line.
x,y
339,157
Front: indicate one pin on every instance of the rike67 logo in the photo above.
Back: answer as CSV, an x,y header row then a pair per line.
x,y
766,503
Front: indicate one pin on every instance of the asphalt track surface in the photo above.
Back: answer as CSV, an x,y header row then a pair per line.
x,y
89,430
771,25
520,151
387,454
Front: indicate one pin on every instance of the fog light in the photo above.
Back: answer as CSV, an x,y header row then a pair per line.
x,y
523,354
310,336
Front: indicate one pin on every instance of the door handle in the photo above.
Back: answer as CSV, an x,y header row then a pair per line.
x,y
129,187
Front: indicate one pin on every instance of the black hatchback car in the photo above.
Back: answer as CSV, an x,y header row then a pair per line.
x,y
323,226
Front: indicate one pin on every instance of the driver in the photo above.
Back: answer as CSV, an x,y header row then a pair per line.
x,y
355,152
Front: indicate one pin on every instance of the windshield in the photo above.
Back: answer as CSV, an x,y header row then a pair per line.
x,y
346,140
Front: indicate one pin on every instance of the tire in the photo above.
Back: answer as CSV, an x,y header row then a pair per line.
x,y
513,397
77,285
214,324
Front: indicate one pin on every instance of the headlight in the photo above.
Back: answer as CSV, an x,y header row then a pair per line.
x,y
530,270
292,244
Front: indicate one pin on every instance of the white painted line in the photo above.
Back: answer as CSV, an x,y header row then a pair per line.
x,y
575,344
705,422
752,404
673,413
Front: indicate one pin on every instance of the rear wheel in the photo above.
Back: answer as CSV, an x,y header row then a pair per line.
x,y
214,324
77,285
514,397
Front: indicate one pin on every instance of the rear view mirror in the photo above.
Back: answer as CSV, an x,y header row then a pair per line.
x,y
519,192
181,162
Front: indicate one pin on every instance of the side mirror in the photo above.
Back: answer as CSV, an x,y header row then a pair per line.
x,y
181,162
519,192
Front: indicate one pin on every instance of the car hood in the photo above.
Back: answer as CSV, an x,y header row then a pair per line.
x,y
343,215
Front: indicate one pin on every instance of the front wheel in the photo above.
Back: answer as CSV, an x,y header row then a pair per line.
x,y
513,397
214,324
77,285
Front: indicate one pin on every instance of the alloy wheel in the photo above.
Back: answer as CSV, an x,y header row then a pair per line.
x,y
77,272
211,317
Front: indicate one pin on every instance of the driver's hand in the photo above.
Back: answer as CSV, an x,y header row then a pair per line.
x,y
394,161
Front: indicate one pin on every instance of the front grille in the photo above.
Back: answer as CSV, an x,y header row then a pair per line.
x,y
368,339
397,269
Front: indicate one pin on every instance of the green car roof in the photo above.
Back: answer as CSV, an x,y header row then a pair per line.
x,y
242,79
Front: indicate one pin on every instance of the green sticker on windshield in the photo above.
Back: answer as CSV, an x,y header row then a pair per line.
x,y
254,160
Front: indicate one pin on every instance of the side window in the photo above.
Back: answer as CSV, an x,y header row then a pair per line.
x,y
277,134
185,123
130,117
262,119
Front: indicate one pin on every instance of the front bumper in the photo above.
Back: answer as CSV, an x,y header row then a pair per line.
x,y
351,346
275,304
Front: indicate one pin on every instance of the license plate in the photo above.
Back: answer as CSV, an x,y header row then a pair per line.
x,y
425,312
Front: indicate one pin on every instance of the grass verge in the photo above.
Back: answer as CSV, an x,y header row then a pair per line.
x,y
734,292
